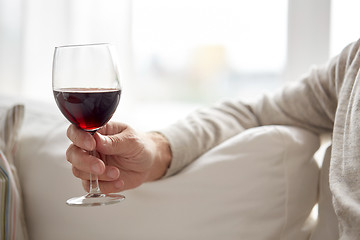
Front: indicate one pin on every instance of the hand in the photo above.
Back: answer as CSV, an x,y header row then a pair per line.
x,y
125,158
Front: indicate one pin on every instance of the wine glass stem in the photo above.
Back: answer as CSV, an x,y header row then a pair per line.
x,y
94,182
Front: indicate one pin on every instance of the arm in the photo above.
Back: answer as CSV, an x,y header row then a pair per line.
x,y
310,103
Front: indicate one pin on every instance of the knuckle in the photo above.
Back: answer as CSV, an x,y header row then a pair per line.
x,y
76,172
69,153
69,132
115,140
134,139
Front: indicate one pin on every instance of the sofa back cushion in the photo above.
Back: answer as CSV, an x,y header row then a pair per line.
x,y
261,184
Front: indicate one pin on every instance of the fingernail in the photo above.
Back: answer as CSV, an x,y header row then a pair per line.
x,y
113,173
96,168
119,184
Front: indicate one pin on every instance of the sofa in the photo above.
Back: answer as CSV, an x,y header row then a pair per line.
x,y
269,182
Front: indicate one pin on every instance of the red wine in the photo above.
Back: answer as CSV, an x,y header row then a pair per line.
x,y
87,108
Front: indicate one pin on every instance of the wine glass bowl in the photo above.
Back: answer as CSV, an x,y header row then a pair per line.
x,y
87,90
87,108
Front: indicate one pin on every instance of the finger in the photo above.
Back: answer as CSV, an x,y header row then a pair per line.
x,y
127,180
110,174
112,128
83,161
124,143
106,187
81,138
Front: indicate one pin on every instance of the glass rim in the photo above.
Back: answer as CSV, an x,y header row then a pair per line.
x,y
83,45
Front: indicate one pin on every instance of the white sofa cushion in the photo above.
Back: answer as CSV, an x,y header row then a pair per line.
x,y
261,184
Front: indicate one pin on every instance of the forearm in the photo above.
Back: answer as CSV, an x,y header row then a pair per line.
x,y
205,128
309,103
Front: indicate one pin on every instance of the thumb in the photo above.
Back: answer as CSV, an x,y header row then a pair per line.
x,y
118,144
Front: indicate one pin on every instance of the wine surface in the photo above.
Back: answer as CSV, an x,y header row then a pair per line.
x,y
87,108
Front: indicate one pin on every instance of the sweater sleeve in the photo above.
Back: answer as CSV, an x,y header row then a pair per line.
x,y
309,103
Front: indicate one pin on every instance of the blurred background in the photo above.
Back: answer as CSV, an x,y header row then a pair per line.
x,y
175,55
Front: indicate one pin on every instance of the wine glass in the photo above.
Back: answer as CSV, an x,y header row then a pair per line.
x,y
87,90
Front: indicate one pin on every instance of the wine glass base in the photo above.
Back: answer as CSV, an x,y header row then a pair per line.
x,y
92,199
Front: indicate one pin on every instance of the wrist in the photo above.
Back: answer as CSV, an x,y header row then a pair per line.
x,y
162,156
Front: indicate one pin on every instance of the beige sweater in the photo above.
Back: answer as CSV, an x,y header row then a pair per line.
x,y
327,99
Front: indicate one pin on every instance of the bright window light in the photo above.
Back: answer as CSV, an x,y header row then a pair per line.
x,y
344,24
205,49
